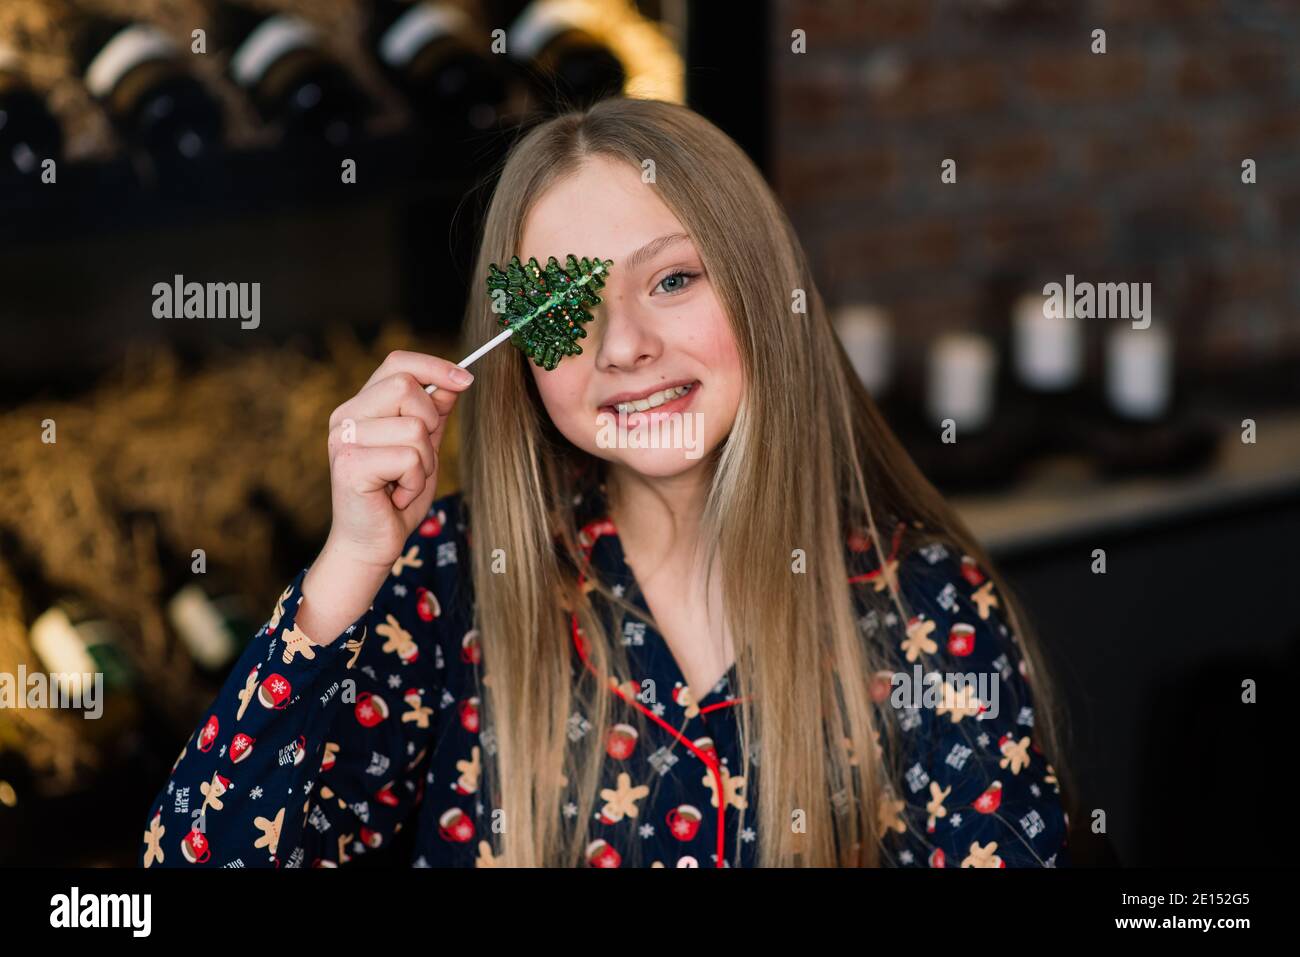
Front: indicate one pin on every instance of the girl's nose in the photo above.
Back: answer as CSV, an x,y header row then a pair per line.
x,y
625,339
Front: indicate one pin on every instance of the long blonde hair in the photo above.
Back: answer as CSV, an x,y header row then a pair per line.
x,y
809,452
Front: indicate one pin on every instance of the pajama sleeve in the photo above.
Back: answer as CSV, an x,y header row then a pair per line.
x,y
976,790
313,754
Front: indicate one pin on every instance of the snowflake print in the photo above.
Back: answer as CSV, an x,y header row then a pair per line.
x,y
578,726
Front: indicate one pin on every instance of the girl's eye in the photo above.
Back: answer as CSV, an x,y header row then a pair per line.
x,y
680,274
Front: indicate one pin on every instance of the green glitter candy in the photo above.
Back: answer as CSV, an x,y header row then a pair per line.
x,y
547,305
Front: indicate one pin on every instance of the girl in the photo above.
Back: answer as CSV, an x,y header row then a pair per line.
x,y
774,645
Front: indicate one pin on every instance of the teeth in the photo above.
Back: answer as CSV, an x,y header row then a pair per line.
x,y
652,401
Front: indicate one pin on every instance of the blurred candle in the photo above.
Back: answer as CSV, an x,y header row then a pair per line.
x,y
961,378
1048,350
866,334
1139,371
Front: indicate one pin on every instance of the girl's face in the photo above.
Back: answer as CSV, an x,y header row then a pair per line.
x,y
659,326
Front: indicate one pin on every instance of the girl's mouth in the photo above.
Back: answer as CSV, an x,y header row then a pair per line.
x,y
673,399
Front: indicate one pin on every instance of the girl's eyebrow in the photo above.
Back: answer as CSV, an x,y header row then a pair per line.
x,y
653,248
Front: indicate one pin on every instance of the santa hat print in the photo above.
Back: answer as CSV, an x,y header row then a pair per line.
x,y
432,526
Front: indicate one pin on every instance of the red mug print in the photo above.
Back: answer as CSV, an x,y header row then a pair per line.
x,y
961,639
621,741
684,822
432,526
208,736
706,748
469,649
426,604
371,709
456,825
971,572
274,692
469,715
195,847
241,746
600,854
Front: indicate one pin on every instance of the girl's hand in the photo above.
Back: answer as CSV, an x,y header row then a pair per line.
x,y
383,453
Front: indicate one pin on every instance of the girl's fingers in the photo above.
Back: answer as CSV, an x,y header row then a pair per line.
x,y
397,430
397,395
404,497
426,369
364,469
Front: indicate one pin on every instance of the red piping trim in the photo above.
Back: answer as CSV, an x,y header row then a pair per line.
x,y
893,553
587,539
710,762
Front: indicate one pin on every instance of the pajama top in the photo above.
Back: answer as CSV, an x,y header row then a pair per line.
x,y
285,770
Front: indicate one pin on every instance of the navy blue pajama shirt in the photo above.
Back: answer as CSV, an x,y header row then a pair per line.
x,y
286,770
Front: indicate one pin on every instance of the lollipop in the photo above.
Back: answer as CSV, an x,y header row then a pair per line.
x,y
543,308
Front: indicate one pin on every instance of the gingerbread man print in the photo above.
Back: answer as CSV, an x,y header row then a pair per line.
x,y
621,801
270,829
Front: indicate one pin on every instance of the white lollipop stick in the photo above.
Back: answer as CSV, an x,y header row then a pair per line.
x,y
477,354
551,300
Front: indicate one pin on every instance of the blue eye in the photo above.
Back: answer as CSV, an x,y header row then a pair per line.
x,y
680,274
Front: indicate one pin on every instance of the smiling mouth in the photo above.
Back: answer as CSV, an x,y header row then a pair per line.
x,y
652,401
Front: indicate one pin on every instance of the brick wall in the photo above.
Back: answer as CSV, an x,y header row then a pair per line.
x,y
1123,166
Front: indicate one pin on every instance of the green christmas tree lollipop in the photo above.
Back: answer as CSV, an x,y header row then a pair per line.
x,y
546,307
543,308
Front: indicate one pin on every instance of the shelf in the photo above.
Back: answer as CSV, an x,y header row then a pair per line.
x,y
1061,500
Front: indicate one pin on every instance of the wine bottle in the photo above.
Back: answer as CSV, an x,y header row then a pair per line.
x,y
1047,356
962,435
569,65
207,614
433,52
29,133
88,668
144,83
1140,421
280,62
867,334
961,383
